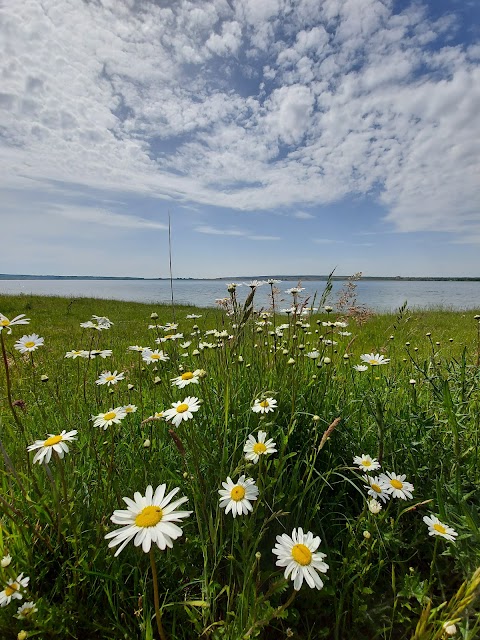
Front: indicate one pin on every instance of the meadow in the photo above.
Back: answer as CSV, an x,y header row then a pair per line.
x,y
310,474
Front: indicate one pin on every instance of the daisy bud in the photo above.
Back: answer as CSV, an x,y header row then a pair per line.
x,y
130,387
316,418
327,361
407,344
328,309
157,380
111,390
285,352
450,628
437,343
248,365
154,315
392,337
240,358
412,381
185,474
374,506
367,535
428,334
346,356
258,555
6,560
291,361
147,443
44,378
195,352
22,635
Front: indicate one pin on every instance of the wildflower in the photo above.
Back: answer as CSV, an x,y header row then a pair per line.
x,y
74,354
55,443
374,506
254,448
345,334
313,354
103,322
44,377
147,443
27,344
327,361
182,410
366,463
104,353
90,325
136,347
12,590
148,519
154,315
185,345
412,381
130,408
396,485
264,406
238,497
295,290
154,356
437,528
376,488
298,555
108,378
169,337
450,628
367,535
5,561
22,635
5,323
328,309
255,283
374,359
186,378
192,316
26,611
112,416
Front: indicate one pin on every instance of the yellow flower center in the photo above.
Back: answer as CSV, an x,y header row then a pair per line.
x,y
259,447
110,378
366,463
377,488
110,415
155,356
264,404
188,375
149,516
169,337
128,409
237,493
373,361
11,588
302,554
49,442
182,408
440,528
29,344
4,323
396,484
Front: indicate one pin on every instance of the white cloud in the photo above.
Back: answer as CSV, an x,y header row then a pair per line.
x,y
303,215
88,215
167,101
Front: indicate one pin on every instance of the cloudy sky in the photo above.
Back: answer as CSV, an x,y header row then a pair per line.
x,y
283,136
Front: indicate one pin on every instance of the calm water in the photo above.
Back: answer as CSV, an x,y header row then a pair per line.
x,y
377,295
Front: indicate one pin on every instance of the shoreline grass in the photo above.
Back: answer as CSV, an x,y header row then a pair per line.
x,y
386,578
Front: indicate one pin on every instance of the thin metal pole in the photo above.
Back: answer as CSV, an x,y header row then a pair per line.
x,y
170,262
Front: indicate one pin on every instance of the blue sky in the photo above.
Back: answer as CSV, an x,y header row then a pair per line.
x,y
283,136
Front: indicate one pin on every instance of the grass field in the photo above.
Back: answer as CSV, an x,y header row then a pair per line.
x,y
290,376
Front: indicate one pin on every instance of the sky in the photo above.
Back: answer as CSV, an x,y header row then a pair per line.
x,y
280,136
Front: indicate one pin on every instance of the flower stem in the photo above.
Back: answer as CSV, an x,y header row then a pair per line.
x,y
156,599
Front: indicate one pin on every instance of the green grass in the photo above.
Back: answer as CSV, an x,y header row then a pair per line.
x,y
387,577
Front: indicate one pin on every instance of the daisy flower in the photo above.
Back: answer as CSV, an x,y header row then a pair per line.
x,y
374,506
254,448
360,367
55,443
104,353
26,611
366,463
298,555
186,378
295,290
90,325
148,519
130,408
169,337
5,323
437,528
238,497
154,356
6,560
103,322
376,488
396,485
374,359
182,410
108,378
264,406
26,344
192,316
112,416
12,590
75,354
313,354
136,347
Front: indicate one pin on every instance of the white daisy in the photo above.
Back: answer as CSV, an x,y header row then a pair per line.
x,y
254,448
108,378
186,378
192,316
374,506
26,344
376,488
13,590
130,408
374,359
148,519
264,406
5,323
366,463
112,416
238,497
295,290
437,528
75,354
136,347
297,555
313,354
26,611
396,486
104,353
182,410
90,325
169,338
55,443
360,367
103,322
156,355
6,561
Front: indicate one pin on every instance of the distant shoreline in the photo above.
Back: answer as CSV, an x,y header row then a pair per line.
x,y
283,278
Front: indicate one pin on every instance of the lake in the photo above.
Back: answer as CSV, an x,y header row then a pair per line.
x,y
377,295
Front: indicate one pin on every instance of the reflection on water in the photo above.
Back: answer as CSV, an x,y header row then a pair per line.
x,y
377,295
